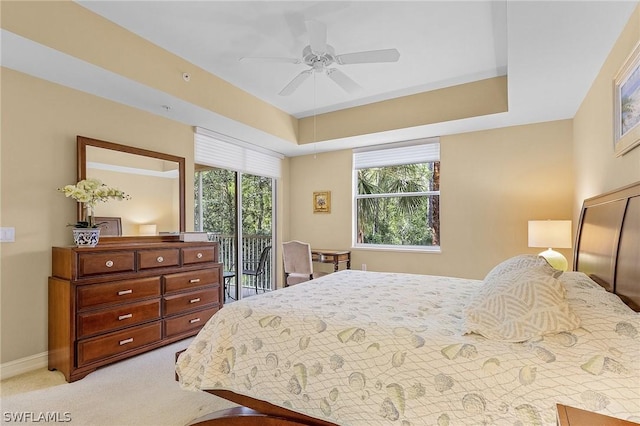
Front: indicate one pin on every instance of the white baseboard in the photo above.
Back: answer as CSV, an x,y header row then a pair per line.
x,y
23,365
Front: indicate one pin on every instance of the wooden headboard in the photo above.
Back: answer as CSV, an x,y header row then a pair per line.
x,y
608,242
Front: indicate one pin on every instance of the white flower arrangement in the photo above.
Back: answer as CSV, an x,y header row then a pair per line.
x,y
90,192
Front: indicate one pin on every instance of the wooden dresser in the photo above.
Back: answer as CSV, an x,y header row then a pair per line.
x,y
117,300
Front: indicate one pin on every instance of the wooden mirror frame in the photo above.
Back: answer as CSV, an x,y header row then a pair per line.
x,y
81,144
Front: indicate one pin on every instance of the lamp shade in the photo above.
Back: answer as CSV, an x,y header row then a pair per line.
x,y
148,229
550,233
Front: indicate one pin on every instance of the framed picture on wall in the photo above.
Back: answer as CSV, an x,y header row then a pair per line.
x,y
322,202
626,118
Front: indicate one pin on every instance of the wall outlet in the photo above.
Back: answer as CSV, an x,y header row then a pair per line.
x,y
7,235
364,267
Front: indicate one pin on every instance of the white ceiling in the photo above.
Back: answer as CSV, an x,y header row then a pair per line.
x,y
440,43
550,50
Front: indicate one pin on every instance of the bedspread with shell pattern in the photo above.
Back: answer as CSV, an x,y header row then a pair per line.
x,y
371,348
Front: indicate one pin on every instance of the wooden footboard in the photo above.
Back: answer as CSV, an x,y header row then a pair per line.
x,y
256,412
242,416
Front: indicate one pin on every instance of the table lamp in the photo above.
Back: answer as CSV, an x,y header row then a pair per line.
x,y
551,234
147,229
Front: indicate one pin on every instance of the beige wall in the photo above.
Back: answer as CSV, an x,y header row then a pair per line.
x,y
492,183
75,30
484,97
40,122
597,169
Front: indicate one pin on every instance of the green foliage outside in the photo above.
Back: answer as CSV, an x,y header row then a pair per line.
x,y
397,220
218,202
218,207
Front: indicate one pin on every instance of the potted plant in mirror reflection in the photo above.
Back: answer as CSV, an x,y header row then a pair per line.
x,y
90,192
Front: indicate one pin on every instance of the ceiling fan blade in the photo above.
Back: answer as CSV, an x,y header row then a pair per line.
x,y
317,36
343,81
295,83
369,56
270,59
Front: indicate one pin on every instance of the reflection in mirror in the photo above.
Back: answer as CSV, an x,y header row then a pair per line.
x,y
155,182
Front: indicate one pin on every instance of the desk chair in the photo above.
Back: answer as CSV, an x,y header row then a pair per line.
x,y
298,265
259,270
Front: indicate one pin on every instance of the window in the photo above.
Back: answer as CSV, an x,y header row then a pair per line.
x,y
397,195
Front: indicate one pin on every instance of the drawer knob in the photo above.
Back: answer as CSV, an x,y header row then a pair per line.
x,y
123,292
125,316
196,300
125,341
160,259
109,263
199,255
195,280
195,320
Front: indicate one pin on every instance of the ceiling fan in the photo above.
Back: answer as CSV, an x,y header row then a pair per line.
x,y
319,56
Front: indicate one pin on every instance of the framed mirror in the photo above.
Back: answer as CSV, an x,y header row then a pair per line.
x,y
154,180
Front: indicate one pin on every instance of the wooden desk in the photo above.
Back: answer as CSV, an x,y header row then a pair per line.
x,y
332,256
570,416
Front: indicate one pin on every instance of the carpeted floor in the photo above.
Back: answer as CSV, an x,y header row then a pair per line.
x,y
33,380
135,392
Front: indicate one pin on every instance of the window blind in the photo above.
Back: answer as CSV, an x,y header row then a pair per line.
x,y
217,150
413,152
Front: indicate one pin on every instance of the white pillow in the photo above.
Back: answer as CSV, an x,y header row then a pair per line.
x,y
521,261
520,304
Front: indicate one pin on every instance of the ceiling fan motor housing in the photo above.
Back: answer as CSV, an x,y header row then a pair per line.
x,y
318,60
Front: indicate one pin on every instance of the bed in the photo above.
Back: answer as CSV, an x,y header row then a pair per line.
x,y
373,348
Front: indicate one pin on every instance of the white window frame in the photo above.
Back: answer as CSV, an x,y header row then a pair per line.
x,y
409,152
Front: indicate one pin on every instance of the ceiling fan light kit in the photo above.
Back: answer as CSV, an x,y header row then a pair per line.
x,y
319,55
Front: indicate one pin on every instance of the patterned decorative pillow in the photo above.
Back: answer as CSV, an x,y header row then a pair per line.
x,y
522,261
518,305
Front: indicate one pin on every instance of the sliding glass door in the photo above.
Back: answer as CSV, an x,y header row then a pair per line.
x,y
218,194
257,232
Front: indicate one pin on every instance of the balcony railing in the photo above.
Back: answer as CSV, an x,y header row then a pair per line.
x,y
252,247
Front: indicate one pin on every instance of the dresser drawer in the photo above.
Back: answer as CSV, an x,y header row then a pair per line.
x,y
191,255
95,295
97,348
105,263
191,280
122,316
162,258
183,302
188,322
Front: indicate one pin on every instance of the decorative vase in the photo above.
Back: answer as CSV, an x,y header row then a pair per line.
x,y
86,237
